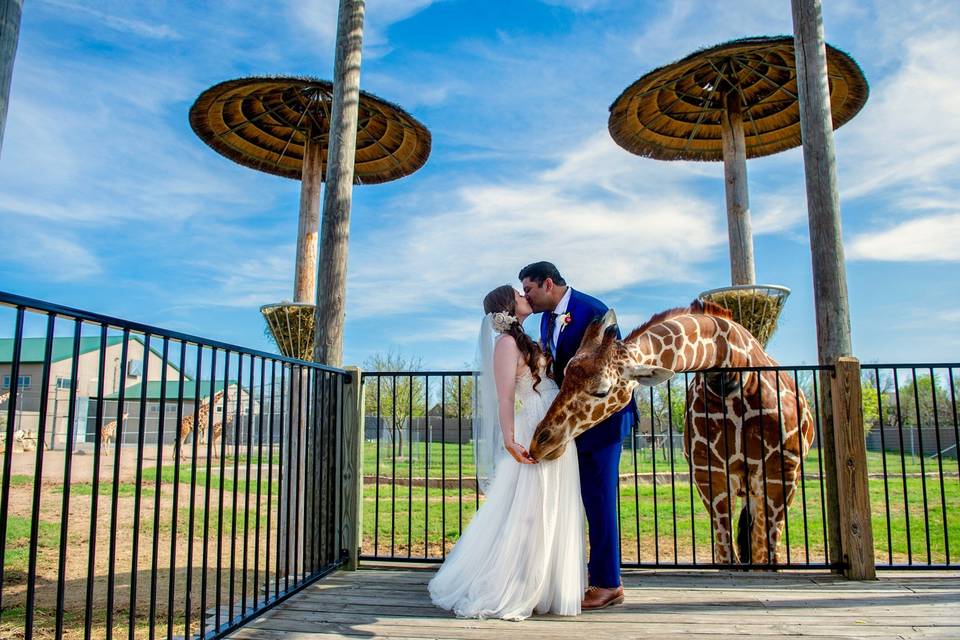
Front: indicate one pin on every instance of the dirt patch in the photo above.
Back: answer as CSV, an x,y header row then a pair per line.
x,y
212,538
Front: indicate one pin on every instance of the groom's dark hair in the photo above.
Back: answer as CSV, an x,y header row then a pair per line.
x,y
540,271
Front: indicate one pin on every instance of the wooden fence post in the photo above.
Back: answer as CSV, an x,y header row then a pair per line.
x,y
856,532
352,476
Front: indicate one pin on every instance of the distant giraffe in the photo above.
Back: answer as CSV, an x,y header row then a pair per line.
x,y
203,413
3,398
217,432
109,431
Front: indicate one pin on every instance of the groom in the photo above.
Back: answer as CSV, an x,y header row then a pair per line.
x,y
566,315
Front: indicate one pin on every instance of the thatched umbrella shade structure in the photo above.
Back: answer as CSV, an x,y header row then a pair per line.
x,y
729,102
281,125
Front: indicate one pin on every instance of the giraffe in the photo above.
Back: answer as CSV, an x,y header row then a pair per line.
x,y
760,414
217,432
109,431
3,398
203,414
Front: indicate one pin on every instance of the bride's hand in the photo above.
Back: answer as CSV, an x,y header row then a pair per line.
x,y
519,454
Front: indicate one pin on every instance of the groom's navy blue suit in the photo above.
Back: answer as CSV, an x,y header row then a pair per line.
x,y
598,449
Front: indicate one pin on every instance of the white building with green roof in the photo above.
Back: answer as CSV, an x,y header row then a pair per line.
x,y
30,386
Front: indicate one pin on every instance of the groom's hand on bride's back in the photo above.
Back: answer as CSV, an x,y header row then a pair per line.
x,y
521,455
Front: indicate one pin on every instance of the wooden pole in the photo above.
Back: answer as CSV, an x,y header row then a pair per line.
x,y
10,11
304,290
352,475
305,280
826,242
738,203
856,533
337,198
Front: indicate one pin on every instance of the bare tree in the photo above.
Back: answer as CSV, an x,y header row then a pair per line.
x,y
401,396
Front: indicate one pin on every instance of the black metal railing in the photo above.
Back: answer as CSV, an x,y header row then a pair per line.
x,y
155,483
420,487
912,431
666,517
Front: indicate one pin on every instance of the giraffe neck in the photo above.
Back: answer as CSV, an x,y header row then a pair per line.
x,y
696,343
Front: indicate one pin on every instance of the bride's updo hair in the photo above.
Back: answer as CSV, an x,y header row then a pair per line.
x,y
502,299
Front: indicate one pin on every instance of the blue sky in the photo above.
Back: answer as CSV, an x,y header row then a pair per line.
x,y
109,202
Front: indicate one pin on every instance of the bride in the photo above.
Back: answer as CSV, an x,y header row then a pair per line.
x,y
524,551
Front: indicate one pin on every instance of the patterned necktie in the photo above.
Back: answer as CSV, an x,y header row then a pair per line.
x,y
551,326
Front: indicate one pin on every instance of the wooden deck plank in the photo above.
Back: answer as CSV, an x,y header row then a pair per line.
x,y
662,604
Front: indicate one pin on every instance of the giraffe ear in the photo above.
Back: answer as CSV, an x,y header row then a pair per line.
x,y
609,320
645,375
597,330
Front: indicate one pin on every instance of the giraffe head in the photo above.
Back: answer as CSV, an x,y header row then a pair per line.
x,y
598,381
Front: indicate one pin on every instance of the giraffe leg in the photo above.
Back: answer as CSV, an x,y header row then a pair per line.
x,y
712,487
759,510
779,500
777,511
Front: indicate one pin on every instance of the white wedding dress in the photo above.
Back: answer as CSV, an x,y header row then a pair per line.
x,y
525,549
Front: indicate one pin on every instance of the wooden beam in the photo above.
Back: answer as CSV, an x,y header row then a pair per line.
x,y
10,12
856,533
305,280
352,473
338,196
742,269
826,241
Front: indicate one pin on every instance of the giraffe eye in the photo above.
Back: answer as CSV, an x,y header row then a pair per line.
x,y
601,394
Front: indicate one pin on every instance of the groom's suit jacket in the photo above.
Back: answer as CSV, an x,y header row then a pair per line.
x,y
583,309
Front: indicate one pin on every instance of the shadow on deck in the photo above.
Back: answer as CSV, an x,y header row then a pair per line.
x,y
665,604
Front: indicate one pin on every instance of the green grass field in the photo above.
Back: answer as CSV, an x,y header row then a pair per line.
x,y
437,461
428,520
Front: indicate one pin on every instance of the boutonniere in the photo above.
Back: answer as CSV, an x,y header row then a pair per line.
x,y
565,319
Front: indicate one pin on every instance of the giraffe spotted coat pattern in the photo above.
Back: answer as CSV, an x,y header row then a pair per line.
x,y
746,431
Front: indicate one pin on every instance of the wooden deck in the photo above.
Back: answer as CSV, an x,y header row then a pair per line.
x,y
661,605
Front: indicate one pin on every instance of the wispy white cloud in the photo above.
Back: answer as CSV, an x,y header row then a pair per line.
x,y
679,28
900,152
250,282
48,254
578,5
319,18
952,315
604,233
457,329
924,239
91,145
918,107
111,20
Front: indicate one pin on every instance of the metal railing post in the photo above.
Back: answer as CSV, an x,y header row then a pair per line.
x,y
352,476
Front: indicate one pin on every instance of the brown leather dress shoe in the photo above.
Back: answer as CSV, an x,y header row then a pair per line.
x,y
599,598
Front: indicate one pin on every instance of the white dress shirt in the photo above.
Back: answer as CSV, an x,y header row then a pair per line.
x,y
560,310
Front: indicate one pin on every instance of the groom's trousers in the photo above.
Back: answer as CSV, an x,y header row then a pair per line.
x,y
599,476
